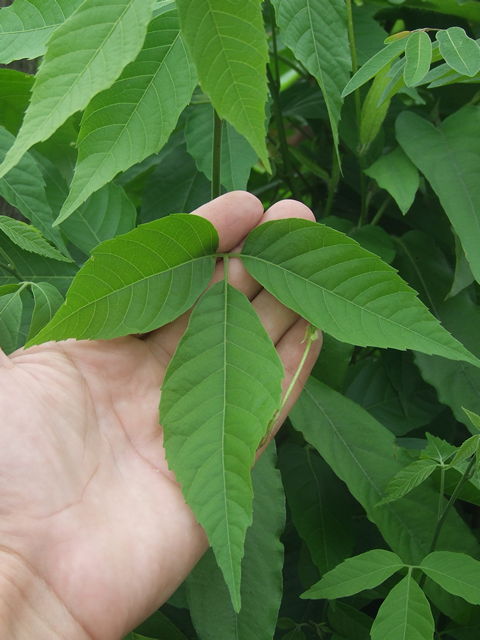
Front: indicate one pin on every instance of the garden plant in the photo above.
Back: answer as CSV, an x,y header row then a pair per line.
x,y
362,519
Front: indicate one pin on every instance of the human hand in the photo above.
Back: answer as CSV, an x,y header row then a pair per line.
x,y
94,531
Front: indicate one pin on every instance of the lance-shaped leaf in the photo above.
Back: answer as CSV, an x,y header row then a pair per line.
x,y
47,299
397,174
209,601
237,156
341,288
26,26
24,188
316,32
137,282
408,478
457,573
228,45
418,56
405,613
374,65
136,115
449,157
365,571
29,238
460,52
220,392
85,55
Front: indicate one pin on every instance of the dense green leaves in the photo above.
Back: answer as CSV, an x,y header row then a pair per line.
x,y
47,299
455,572
342,289
405,613
208,598
228,46
316,32
122,290
85,55
449,157
26,26
365,571
27,237
215,412
136,115
460,52
418,56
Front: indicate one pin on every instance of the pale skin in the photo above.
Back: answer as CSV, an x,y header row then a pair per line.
x,y
94,531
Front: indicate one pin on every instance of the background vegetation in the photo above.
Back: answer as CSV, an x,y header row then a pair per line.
x,y
180,101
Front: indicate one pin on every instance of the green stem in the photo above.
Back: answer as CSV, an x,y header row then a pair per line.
x,y
380,211
217,155
311,334
453,498
332,184
226,256
441,493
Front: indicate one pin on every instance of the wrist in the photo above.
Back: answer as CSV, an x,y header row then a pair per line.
x,y
29,608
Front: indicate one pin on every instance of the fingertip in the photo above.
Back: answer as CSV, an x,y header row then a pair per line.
x,y
289,209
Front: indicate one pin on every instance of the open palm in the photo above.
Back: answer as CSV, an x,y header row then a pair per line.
x,y
86,498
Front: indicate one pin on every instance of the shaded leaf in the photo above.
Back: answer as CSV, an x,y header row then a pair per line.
x,y
117,291
209,602
29,238
317,506
463,276
365,456
395,173
468,448
85,55
459,51
375,64
473,417
237,156
316,32
407,479
418,56
135,116
457,573
405,613
10,318
449,157
349,622
26,26
15,88
228,45
47,300
215,410
374,109
342,289
376,240
160,627
361,572
106,214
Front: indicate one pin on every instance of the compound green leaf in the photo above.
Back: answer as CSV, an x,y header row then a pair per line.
x,y
459,51
364,455
317,505
228,45
316,32
26,26
418,57
137,282
449,157
10,319
405,613
341,288
24,188
47,300
365,571
237,157
107,213
397,174
375,64
209,602
407,479
457,573
29,238
220,392
136,115
85,55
